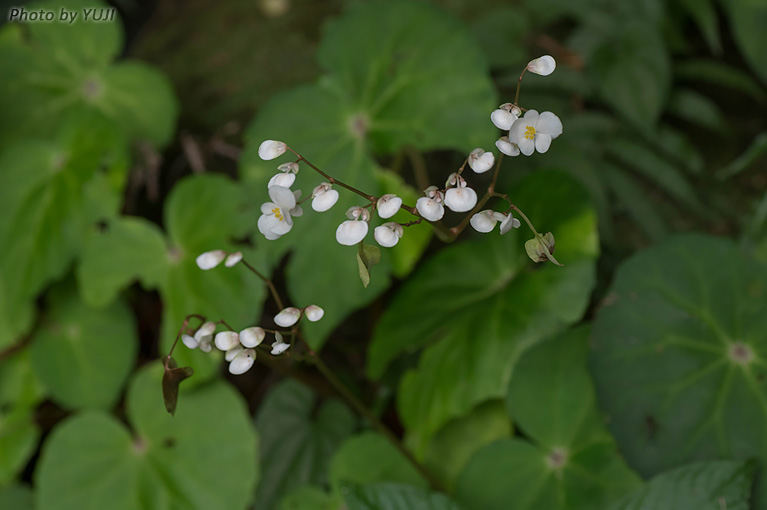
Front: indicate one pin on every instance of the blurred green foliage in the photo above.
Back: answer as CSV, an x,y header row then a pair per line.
x,y
479,356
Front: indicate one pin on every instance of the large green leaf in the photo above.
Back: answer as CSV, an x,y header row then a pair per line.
x,y
394,496
207,212
481,303
16,497
61,67
571,461
298,439
717,484
165,462
747,20
678,357
83,355
398,74
128,249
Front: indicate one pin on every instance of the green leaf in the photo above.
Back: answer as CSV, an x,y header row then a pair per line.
x,y
298,437
719,74
755,150
393,496
697,109
167,462
353,462
572,461
715,484
18,440
126,250
309,497
16,497
454,444
398,74
704,14
677,359
98,346
19,387
367,257
747,20
208,212
15,313
636,87
460,302
631,198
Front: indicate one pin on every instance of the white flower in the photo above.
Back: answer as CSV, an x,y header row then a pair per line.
x,y
355,229
388,205
314,313
279,346
210,259
233,352
190,341
252,337
233,259
505,146
270,149
323,197
508,222
226,340
544,65
286,177
242,362
461,198
430,206
204,336
276,220
388,234
504,116
287,317
535,132
481,161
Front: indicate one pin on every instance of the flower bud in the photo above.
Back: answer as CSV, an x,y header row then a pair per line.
x,y
233,259
210,259
504,145
284,180
190,341
535,247
481,161
504,116
430,206
351,232
508,222
388,234
226,340
242,362
287,317
270,149
232,353
252,337
206,330
484,221
279,346
324,197
388,205
544,65
314,313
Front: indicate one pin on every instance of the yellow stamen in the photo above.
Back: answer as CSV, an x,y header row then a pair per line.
x,y
530,132
278,213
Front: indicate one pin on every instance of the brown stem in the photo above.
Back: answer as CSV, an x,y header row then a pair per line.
x,y
333,180
268,282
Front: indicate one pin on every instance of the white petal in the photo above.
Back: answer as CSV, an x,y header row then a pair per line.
x,y
232,353
388,234
526,146
265,224
296,212
351,232
549,124
481,161
503,119
270,149
284,180
430,209
517,131
460,199
531,117
205,345
508,223
272,226
283,197
483,221
267,207
233,259
243,362
542,142
288,167
226,340
388,205
210,259
505,146
279,347
314,313
287,317
190,341
544,65
325,200
252,337
206,329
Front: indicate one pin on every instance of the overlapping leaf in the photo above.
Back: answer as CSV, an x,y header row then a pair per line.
x,y
481,303
678,358
394,496
398,73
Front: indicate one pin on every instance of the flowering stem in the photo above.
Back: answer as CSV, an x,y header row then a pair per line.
x,y
333,180
181,331
268,282
456,231
519,85
524,217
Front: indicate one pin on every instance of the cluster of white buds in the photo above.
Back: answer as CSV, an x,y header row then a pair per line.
x,y
240,348
211,259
